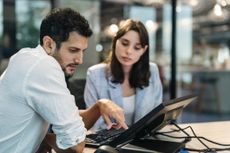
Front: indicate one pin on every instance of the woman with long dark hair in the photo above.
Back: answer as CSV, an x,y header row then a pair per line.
x,y
127,77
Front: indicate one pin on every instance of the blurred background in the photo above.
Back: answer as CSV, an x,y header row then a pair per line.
x,y
189,40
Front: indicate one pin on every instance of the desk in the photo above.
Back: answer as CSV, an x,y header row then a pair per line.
x,y
216,131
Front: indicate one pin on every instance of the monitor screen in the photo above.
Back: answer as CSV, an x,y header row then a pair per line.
x,y
154,120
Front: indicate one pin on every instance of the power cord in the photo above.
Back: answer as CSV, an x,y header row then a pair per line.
x,y
189,127
175,124
188,137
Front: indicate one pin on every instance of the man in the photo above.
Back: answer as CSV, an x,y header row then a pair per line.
x,y
33,92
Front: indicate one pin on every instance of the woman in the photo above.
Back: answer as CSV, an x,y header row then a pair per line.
x,y
126,77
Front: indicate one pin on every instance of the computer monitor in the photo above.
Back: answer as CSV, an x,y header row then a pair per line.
x,y
154,120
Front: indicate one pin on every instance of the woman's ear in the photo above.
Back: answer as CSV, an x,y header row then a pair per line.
x,y
145,48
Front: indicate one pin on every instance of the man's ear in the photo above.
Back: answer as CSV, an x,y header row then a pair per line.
x,y
49,45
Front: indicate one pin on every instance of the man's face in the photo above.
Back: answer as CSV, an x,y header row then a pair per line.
x,y
70,53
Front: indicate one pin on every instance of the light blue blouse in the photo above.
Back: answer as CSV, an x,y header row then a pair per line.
x,y
99,85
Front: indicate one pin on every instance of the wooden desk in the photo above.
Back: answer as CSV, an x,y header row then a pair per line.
x,y
216,131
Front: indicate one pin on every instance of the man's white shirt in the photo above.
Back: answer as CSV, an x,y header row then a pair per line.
x,y
33,93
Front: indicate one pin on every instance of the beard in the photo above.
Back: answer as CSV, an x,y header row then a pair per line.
x,y
68,75
58,58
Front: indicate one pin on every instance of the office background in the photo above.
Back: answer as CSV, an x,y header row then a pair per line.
x,y
189,40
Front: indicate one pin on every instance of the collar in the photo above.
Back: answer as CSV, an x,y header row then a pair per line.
x,y
41,49
113,85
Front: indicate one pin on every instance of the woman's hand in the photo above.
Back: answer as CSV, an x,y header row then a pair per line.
x,y
110,112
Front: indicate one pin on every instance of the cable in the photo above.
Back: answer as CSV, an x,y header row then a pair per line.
x,y
201,137
189,135
208,149
182,137
172,131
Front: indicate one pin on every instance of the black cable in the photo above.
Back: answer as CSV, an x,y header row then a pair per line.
x,y
195,136
189,135
182,137
207,150
201,137
172,131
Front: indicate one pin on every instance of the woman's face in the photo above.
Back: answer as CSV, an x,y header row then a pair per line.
x,y
128,49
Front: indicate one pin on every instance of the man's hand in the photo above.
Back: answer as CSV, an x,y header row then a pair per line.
x,y
110,111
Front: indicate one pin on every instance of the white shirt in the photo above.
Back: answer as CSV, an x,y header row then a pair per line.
x,y
129,108
33,93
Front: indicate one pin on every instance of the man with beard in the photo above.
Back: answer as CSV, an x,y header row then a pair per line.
x,y
33,91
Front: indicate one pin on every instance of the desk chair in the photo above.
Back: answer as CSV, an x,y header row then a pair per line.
x,y
76,87
204,83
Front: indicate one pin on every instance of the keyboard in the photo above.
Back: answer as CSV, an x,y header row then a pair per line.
x,y
102,137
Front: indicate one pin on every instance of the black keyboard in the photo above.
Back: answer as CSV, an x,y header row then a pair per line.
x,y
102,137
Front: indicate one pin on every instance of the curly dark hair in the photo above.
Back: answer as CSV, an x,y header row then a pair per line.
x,y
60,22
140,73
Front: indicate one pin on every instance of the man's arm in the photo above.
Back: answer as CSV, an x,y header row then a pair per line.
x,y
50,139
103,107
107,109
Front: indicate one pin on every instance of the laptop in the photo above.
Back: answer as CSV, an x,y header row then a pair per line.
x,y
156,119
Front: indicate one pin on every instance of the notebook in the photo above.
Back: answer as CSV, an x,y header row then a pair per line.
x,y
156,119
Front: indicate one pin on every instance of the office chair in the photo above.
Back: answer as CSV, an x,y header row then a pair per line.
x,y
76,87
205,84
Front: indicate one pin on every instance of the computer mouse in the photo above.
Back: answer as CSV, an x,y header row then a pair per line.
x,y
106,149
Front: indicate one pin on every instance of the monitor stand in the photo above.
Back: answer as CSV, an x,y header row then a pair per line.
x,y
152,146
